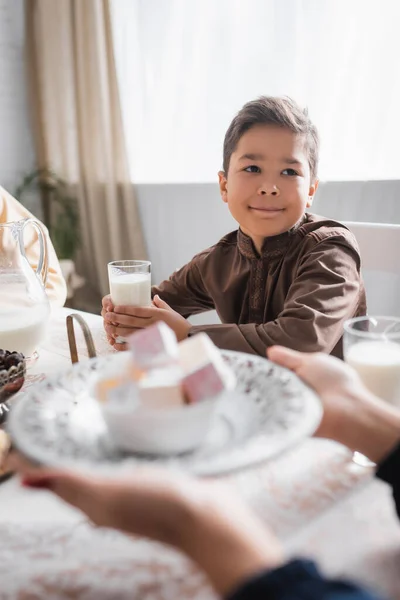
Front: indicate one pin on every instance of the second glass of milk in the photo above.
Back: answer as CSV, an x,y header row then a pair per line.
x,y
130,284
372,347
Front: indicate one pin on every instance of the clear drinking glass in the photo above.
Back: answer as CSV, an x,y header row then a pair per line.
x,y
371,346
130,284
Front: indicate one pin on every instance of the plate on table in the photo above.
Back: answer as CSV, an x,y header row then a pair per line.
x,y
58,423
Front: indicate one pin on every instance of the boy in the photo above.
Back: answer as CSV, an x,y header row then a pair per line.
x,y
285,277
12,210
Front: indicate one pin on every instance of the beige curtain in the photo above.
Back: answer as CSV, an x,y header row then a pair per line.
x,y
78,125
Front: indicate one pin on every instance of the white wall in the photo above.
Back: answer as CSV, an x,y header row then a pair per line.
x,y
180,220
16,143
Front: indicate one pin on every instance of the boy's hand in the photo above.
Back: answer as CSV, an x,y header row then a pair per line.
x,y
124,320
107,307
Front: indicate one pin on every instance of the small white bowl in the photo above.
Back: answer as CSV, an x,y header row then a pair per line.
x,y
162,431
159,431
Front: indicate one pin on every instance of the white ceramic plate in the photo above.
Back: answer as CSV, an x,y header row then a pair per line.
x,y
58,423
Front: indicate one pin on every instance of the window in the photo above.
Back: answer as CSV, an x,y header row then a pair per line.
x,y
186,66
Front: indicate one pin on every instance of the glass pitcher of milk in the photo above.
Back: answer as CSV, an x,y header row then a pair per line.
x,y
24,306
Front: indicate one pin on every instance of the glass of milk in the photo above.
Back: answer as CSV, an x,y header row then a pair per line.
x,y
372,347
130,284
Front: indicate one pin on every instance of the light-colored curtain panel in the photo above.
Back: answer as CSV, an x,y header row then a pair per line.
x,y
78,125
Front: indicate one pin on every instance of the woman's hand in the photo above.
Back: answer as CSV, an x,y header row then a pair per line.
x,y
202,519
352,415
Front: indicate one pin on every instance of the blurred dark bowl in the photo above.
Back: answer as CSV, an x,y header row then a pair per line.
x,y
11,381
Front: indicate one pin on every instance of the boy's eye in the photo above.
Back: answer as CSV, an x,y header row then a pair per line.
x,y
290,172
252,169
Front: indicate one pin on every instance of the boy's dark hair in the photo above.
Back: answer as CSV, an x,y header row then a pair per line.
x,y
268,110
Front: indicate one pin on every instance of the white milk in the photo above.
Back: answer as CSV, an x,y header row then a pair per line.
x,y
132,289
23,330
378,364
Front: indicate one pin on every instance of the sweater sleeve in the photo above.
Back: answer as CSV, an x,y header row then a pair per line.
x,y
12,210
389,471
299,580
185,291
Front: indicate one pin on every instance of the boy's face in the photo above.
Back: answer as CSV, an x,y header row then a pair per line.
x,y
268,185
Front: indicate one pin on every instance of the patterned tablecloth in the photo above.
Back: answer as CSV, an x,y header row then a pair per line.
x,y
319,502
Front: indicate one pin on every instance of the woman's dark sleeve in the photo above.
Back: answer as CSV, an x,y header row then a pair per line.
x,y
389,471
299,580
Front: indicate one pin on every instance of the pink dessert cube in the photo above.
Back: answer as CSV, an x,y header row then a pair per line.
x,y
153,346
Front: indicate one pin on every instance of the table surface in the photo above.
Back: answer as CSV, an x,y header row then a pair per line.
x,y
317,500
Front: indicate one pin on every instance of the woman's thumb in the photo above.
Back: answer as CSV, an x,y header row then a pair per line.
x,y
291,359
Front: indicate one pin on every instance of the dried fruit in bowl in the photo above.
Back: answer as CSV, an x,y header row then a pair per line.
x,y
12,377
